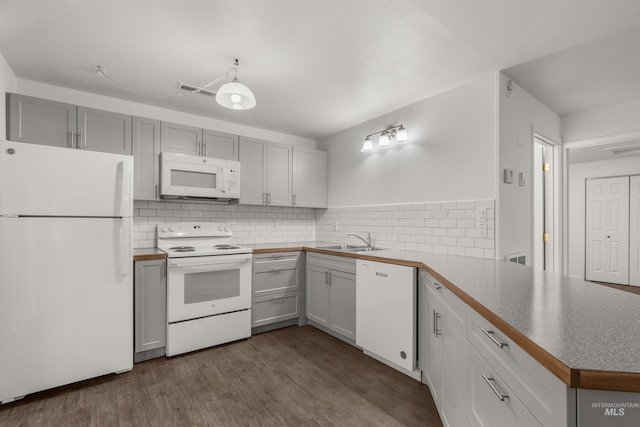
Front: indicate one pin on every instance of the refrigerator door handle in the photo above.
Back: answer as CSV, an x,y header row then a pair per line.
x,y
126,175
126,255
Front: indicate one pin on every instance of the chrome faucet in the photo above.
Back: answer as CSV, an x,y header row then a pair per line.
x,y
367,241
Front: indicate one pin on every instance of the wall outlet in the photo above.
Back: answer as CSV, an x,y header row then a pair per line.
x,y
273,224
482,228
482,214
335,226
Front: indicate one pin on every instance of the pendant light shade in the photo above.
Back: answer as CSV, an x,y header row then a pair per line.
x,y
384,140
367,145
401,134
236,96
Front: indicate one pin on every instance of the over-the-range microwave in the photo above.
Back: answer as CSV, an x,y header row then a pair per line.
x,y
191,177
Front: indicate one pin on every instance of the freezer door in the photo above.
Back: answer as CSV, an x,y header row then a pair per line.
x,y
66,302
42,180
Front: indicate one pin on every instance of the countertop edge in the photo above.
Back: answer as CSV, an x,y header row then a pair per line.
x,y
572,377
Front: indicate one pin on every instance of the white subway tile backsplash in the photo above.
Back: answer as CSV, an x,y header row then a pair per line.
x,y
443,227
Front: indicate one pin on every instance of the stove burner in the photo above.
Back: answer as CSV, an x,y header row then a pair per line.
x,y
223,247
182,249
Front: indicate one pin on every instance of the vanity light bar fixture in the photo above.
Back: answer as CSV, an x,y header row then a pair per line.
x,y
399,133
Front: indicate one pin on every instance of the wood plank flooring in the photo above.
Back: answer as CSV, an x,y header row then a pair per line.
x,y
296,376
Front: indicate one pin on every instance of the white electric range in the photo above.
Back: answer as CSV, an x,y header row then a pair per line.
x,y
208,286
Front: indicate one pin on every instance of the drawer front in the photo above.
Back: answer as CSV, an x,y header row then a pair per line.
x,y
492,402
332,262
275,308
274,265
276,256
542,392
275,281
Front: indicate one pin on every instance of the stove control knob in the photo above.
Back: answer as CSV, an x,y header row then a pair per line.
x,y
172,229
220,228
226,229
163,229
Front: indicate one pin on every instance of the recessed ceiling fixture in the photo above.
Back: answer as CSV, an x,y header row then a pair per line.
x,y
399,133
233,95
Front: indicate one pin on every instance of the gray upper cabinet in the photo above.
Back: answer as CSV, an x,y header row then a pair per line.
x,y
146,158
309,178
220,145
41,121
266,173
104,131
182,139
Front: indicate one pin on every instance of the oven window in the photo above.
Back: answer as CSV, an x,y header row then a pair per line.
x,y
193,179
211,286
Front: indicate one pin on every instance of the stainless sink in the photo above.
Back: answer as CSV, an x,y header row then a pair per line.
x,y
351,248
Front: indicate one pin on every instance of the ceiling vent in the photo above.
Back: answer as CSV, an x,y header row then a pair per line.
x,y
193,88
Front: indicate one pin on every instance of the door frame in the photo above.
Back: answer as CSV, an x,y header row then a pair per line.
x,y
566,149
557,236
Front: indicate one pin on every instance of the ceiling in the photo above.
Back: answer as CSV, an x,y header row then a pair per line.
x,y
320,66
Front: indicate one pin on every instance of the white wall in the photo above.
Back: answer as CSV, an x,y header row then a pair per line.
x,y
86,99
610,120
8,83
452,154
520,116
578,173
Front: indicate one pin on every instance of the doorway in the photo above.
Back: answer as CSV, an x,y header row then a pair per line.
x,y
544,195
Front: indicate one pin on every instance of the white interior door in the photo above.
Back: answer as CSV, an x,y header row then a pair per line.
x,y
607,233
634,231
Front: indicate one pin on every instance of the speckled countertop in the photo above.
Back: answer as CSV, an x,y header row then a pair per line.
x,y
587,334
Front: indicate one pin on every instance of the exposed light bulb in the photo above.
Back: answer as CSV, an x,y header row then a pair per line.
x,y
235,98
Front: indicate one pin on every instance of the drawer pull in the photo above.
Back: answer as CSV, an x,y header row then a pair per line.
x,y
493,338
490,381
437,285
436,329
381,274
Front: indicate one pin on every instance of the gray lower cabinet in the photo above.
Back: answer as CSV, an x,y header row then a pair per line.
x,y
331,294
150,317
146,158
46,122
276,295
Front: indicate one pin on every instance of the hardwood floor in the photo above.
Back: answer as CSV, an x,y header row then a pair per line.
x,y
296,376
626,288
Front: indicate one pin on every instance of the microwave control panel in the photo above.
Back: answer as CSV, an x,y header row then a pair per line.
x,y
232,181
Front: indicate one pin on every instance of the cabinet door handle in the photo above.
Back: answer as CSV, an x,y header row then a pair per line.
x,y
436,329
293,199
381,274
490,381
70,140
268,198
491,336
204,149
437,285
79,140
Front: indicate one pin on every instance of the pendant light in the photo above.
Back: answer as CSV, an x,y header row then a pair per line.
x,y
235,95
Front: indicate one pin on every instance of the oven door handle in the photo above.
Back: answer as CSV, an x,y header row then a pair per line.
x,y
214,265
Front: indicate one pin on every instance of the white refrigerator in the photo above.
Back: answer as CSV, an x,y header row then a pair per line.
x,y
66,290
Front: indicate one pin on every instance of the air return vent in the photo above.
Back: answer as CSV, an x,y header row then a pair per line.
x,y
518,258
193,88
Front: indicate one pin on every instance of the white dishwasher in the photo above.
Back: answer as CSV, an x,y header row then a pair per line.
x,y
386,311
